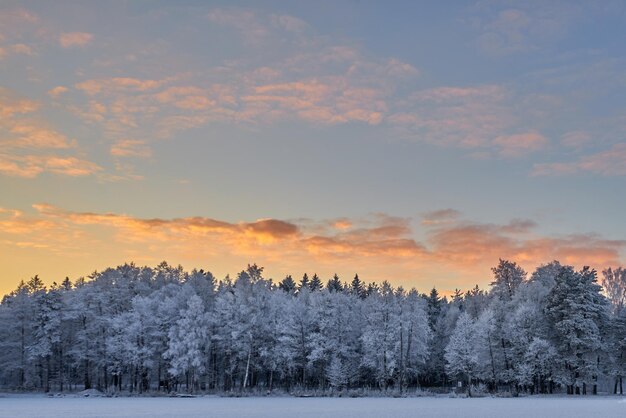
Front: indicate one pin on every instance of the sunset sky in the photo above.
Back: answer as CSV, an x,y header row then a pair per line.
x,y
411,141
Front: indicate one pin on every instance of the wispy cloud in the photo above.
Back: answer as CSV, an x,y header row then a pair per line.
x,y
30,166
520,144
440,216
611,162
468,117
576,139
470,244
57,91
75,39
29,147
376,243
523,28
289,23
321,84
131,148
245,21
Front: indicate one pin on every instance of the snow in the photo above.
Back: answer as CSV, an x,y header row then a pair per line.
x,y
31,406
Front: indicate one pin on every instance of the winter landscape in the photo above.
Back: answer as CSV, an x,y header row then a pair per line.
x,y
131,331
234,208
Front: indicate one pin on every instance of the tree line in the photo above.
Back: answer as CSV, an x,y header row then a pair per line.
x,y
139,329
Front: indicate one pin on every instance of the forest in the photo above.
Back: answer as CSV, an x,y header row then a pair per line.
x,y
139,330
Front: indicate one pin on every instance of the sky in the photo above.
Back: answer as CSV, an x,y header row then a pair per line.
x,y
416,142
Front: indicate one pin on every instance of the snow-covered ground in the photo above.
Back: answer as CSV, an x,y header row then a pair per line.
x,y
26,406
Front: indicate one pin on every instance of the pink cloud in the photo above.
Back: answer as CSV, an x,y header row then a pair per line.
x,y
289,23
75,39
22,49
520,144
576,139
606,163
467,117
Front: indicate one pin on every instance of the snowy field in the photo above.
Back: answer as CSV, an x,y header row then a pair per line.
x,y
69,407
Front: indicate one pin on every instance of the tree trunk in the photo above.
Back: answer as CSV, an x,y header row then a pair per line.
x,y
245,379
47,389
87,381
493,364
271,380
22,360
401,358
61,369
407,362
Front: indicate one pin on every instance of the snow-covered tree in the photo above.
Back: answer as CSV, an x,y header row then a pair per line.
x,y
460,353
141,329
188,338
578,311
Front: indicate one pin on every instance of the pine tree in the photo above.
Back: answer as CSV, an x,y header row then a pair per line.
x,y
288,285
434,307
334,284
357,288
304,283
316,283
578,311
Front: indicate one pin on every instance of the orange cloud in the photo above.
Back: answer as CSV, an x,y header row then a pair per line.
x,y
27,145
455,253
470,244
75,39
342,223
24,132
458,244
28,135
11,105
57,91
108,86
330,100
262,229
326,84
131,148
30,166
